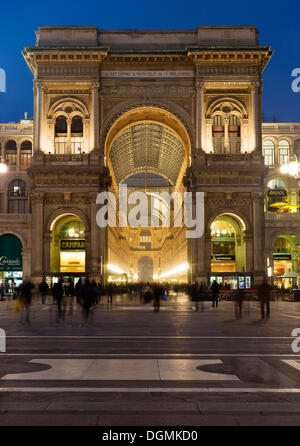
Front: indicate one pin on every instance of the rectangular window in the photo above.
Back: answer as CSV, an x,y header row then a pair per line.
x,y
268,155
60,144
283,156
17,206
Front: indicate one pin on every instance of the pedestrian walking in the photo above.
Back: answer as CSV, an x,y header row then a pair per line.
x,y
239,297
86,299
25,300
2,292
264,297
58,292
43,290
215,289
147,293
158,293
194,294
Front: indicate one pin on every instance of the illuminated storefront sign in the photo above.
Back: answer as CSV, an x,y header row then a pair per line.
x,y
69,245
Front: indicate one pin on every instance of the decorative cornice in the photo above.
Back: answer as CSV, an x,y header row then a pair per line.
x,y
36,56
258,56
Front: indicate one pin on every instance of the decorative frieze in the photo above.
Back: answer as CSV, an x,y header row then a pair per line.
x,y
152,91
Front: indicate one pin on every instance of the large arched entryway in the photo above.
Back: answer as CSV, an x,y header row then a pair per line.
x,y
11,262
68,250
228,251
147,149
145,269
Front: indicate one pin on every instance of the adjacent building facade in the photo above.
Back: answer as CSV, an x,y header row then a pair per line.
x,y
159,111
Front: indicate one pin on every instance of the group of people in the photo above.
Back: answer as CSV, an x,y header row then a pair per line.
x,y
154,292
197,293
263,290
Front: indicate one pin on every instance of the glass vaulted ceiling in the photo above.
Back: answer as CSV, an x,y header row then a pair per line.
x,y
147,147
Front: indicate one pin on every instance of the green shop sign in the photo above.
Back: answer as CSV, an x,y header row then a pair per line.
x,y
69,245
10,253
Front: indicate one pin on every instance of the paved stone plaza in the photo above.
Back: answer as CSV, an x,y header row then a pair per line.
x,y
131,366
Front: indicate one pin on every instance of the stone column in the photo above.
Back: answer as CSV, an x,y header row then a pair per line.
x,y
200,114
26,257
37,242
254,113
38,111
95,116
95,243
248,239
209,137
258,234
47,252
244,136
68,147
226,136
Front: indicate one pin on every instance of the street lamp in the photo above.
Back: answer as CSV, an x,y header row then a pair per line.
x,y
291,167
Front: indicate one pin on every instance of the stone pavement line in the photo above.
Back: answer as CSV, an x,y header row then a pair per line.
x,y
149,337
288,315
292,363
124,369
156,355
146,390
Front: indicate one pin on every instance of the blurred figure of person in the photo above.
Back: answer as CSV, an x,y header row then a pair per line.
x,y
96,292
264,297
194,294
43,290
69,293
158,293
110,292
58,292
215,289
86,299
2,292
25,300
147,293
14,290
239,297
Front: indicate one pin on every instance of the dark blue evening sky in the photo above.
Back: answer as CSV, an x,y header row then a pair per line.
x,y
278,23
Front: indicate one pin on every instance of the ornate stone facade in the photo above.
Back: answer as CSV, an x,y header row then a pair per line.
x,y
201,89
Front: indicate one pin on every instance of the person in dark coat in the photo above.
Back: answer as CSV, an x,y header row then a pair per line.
x,y
215,289
158,293
58,292
239,297
43,289
25,299
264,297
86,299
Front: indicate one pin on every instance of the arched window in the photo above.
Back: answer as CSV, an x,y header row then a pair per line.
x,y
218,125
145,239
26,153
268,152
218,134
17,197
61,133
11,152
283,152
76,135
234,134
61,127
297,149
